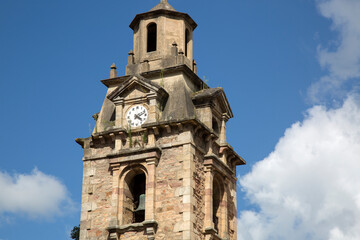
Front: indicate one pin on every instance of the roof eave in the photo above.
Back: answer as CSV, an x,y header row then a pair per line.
x,y
155,13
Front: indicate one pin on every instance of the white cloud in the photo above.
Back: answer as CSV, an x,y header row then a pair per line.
x,y
309,186
343,62
35,195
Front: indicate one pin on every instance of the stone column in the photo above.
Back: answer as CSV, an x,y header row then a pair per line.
x,y
120,197
113,218
119,114
113,221
150,189
224,211
209,177
119,108
188,185
151,138
223,129
152,112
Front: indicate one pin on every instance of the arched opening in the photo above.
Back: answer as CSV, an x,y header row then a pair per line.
x,y
151,37
187,41
218,193
215,126
134,201
137,189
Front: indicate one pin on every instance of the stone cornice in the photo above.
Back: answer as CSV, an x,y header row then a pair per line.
x,y
153,88
115,81
178,68
132,154
235,158
205,97
137,153
164,12
199,128
213,233
148,225
211,160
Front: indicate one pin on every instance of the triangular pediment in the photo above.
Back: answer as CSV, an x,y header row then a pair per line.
x,y
136,87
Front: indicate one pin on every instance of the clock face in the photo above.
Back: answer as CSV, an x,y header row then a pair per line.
x,y
136,116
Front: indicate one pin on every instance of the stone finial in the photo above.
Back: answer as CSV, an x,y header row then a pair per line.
x,y
180,57
113,72
163,5
194,67
95,116
131,59
174,49
146,65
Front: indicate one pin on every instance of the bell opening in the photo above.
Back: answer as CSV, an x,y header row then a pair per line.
x,y
138,193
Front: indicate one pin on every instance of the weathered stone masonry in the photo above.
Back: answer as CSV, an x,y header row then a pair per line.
x,y
167,172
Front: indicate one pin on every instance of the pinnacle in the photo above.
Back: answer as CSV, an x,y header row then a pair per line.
x,y
163,5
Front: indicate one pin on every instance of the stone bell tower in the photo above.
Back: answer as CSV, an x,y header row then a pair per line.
x,y
157,165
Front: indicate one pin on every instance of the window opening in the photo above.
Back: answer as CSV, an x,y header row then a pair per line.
x,y
112,118
215,126
187,41
216,205
151,37
137,189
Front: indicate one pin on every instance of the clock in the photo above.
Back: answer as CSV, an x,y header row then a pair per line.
x,y
136,116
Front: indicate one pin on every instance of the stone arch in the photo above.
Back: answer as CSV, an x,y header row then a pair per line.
x,y
133,181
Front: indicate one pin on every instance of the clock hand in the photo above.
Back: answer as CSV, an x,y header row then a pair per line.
x,y
137,116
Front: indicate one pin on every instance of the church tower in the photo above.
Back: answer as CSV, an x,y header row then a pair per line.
x,y
158,165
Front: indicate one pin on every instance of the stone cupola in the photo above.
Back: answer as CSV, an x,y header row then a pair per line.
x,y
160,35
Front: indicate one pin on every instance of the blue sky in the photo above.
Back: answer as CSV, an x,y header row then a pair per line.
x,y
290,70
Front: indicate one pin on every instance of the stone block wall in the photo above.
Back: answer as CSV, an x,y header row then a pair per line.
x,y
178,184
96,200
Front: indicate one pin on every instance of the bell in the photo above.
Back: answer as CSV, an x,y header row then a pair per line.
x,y
141,206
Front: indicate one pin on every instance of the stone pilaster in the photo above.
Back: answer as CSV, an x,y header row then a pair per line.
x,y
150,189
188,184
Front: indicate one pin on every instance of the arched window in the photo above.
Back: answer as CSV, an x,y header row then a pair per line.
x,y
151,37
187,41
134,201
218,192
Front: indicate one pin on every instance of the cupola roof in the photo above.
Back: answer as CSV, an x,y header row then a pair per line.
x,y
163,8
